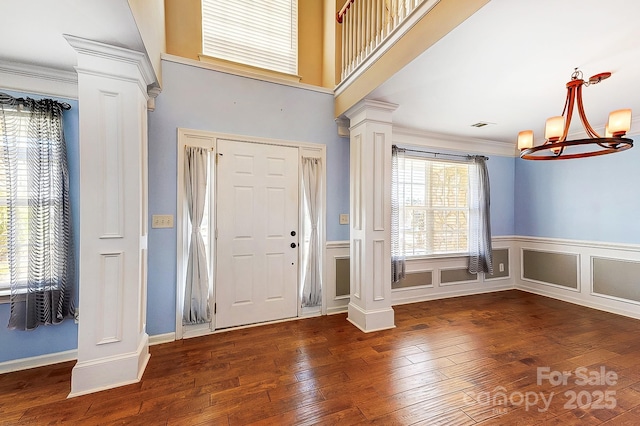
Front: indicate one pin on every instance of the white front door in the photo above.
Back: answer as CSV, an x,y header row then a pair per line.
x,y
257,228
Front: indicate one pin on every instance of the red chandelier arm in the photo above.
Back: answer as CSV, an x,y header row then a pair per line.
x,y
568,106
583,117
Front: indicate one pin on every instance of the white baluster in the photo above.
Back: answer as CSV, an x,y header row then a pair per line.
x,y
379,21
343,42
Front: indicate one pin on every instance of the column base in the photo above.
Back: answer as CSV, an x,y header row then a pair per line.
x,y
110,372
369,321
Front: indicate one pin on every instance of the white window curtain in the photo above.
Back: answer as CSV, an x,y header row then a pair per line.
x,y
36,251
196,290
398,257
311,179
480,253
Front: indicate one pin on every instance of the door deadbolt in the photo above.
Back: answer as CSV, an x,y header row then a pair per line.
x,y
293,233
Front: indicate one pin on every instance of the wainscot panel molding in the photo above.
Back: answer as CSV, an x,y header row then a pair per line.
x,y
38,80
420,270
453,266
588,271
336,251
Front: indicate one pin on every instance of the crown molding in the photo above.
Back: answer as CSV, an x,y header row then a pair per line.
x,y
405,136
38,80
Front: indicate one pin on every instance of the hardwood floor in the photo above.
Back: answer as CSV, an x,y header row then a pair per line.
x,y
448,362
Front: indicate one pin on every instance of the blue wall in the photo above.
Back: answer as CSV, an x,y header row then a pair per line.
x,y
61,337
590,199
196,98
502,181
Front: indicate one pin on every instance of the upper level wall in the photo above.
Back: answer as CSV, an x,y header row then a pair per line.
x,y
183,21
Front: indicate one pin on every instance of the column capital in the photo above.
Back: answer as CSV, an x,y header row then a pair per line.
x,y
370,110
115,62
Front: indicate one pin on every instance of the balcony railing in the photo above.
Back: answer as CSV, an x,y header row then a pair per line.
x,y
366,24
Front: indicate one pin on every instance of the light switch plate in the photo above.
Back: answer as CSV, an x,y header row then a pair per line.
x,y
162,221
344,219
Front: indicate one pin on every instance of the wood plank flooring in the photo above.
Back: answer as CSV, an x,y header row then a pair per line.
x,y
460,361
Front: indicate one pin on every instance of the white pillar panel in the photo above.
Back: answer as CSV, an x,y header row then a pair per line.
x,y
370,235
113,346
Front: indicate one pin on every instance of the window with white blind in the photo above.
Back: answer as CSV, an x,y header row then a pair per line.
x,y
21,210
260,33
436,206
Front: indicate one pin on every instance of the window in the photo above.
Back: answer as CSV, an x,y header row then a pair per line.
x,y
260,33
21,204
36,256
435,196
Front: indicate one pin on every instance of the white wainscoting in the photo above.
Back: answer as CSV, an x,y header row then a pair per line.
x,y
585,251
439,290
335,250
340,249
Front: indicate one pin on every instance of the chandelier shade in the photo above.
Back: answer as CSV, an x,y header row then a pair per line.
x,y
557,129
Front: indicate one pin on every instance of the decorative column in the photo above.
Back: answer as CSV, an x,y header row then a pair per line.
x,y
370,199
113,346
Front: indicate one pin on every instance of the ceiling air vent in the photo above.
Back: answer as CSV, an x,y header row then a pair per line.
x,y
481,124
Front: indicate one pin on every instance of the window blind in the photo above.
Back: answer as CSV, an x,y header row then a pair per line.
x,y
260,33
435,198
18,120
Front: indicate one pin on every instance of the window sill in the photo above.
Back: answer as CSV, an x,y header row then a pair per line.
x,y
242,69
437,256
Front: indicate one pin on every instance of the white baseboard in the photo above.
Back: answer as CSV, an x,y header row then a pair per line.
x,y
569,298
38,361
449,294
338,309
159,339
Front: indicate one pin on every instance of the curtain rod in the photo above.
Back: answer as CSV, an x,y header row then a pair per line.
x,y
444,154
6,99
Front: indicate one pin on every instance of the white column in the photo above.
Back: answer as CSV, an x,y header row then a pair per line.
x,y
113,346
370,237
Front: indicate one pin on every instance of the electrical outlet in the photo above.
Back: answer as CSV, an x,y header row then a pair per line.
x,y
162,221
501,267
344,219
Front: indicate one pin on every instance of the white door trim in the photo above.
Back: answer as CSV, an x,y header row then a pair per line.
x,y
189,137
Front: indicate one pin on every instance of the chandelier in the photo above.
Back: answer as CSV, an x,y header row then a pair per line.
x,y
557,128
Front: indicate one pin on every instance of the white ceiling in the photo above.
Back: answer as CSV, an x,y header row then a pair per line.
x,y
508,65
32,31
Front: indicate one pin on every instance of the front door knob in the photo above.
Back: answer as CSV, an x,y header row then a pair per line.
x,y
293,245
